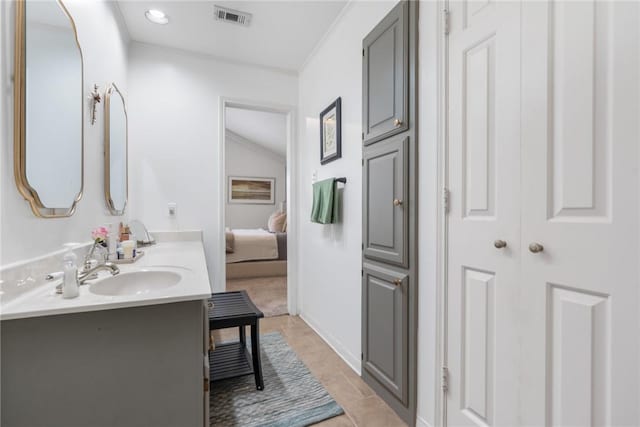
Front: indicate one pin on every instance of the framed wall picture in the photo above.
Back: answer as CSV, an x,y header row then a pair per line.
x,y
251,191
330,133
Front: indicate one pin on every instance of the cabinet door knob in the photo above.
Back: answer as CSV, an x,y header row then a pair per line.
x,y
397,202
500,244
397,122
535,248
397,282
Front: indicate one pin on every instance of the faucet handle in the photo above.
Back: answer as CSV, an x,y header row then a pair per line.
x,y
89,264
54,276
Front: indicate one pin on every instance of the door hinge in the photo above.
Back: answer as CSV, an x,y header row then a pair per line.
x,y
362,246
362,272
445,379
363,136
446,199
206,384
361,356
362,162
445,21
362,51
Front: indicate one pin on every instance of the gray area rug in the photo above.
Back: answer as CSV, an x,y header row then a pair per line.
x,y
292,397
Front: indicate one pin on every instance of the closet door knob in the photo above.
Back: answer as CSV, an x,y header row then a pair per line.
x,y
536,248
397,202
500,244
397,122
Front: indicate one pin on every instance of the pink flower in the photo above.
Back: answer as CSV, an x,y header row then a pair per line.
x,y
100,234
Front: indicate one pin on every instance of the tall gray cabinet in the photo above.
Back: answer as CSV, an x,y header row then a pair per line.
x,y
389,247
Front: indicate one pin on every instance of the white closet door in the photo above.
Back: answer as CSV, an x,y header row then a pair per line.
x,y
580,139
484,184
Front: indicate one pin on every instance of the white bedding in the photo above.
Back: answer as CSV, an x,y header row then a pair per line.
x,y
253,245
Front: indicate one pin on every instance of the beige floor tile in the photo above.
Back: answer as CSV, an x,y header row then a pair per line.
x,y
372,412
358,383
341,421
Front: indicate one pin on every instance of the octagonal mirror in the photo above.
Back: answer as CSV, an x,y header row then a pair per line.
x,y
49,103
116,145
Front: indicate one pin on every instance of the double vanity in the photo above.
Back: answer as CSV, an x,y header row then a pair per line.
x,y
131,349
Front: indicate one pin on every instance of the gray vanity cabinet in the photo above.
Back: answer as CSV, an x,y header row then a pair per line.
x,y
385,77
385,313
385,201
126,367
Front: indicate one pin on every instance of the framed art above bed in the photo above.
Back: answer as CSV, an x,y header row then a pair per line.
x,y
251,191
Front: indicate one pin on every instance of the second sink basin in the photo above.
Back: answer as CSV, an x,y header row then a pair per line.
x,y
136,283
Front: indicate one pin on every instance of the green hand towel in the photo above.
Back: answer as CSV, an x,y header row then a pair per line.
x,y
326,203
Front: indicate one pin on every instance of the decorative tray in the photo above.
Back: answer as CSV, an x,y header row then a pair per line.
x,y
139,254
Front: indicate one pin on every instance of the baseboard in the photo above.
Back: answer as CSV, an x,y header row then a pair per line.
x,y
335,344
421,422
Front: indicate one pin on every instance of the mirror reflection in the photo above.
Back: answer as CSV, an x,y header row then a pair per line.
x,y
49,107
115,150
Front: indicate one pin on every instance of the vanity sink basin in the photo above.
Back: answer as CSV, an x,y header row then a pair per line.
x,y
136,283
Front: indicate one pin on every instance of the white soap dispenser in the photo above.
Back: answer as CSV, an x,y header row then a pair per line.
x,y
112,242
70,269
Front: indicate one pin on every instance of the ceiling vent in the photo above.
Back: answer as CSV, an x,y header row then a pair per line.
x,y
232,16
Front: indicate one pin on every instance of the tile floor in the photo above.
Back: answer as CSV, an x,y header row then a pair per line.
x,y
361,405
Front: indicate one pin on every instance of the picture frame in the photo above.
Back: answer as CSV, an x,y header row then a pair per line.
x,y
331,132
244,190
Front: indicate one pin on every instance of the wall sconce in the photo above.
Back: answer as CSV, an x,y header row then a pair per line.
x,y
95,99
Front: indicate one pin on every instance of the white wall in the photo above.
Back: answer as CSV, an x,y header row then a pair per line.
x,y
174,134
246,159
330,256
104,42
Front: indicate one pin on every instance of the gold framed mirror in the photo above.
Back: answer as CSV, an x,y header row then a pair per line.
x,y
116,145
48,108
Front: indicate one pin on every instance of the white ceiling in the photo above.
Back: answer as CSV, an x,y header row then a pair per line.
x,y
282,33
269,130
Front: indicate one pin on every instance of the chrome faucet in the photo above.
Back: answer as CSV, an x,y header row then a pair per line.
x,y
90,256
85,275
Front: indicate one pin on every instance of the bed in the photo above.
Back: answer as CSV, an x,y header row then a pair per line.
x,y
255,253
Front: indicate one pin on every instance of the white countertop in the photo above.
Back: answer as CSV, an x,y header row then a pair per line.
x,y
184,256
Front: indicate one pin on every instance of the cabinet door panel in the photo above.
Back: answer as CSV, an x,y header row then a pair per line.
x,y
385,77
385,328
385,201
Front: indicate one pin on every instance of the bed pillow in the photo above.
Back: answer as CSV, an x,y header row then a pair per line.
x,y
277,222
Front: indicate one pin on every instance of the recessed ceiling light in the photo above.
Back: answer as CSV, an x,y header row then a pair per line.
x,y
156,16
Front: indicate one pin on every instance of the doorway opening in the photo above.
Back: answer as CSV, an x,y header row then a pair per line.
x,y
256,214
